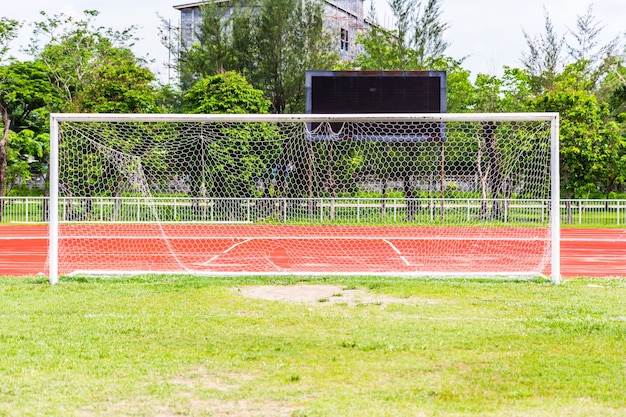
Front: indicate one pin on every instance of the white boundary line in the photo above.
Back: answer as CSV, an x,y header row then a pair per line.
x,y
231,237
24,237
422,274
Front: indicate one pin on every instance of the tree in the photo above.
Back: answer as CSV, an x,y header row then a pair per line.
x,y
117,84
272,44
8,32
428,41
401,10
24,92
379,51
545,57
609,169
228,160
289,38
24,95
543,60
416,41
510,93
583,133
585,46
615,88
91,67
211,54
229,92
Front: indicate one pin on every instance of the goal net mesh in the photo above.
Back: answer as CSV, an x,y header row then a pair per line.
x,y
307,196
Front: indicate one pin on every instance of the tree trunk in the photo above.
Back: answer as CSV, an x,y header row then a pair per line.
x,y
3,155
482,177
494,167
411,203
383,211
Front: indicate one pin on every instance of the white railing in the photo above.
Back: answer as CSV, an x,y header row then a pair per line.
x,y
601,213
23,209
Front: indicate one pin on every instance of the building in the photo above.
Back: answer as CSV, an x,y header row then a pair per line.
x,y
344,19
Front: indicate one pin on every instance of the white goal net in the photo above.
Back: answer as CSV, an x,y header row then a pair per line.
x,y
376,194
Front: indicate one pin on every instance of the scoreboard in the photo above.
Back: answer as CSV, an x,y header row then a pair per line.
x,y
345,92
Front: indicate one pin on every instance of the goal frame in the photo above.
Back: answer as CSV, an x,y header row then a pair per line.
x,y
57,118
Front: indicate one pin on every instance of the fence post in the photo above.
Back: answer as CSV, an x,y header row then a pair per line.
x,y
506,210
431,206
395,209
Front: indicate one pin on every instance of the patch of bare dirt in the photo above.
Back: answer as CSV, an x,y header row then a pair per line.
x,y
247,408
319,294
201,378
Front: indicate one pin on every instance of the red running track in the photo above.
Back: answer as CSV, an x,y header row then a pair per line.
x,y
584,252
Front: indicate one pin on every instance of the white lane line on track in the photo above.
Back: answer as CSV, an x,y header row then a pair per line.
x,y
23,237
403,258
226,251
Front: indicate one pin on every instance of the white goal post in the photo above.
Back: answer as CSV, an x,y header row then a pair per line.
x,y
309,194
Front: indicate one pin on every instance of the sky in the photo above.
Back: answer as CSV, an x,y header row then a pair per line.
x,y
487,33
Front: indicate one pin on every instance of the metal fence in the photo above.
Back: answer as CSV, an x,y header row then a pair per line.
x,y
600,213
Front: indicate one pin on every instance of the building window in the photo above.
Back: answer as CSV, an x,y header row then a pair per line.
x,y
344,40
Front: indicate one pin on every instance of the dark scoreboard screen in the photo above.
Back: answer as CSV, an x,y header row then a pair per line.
x,y
336,92
350,92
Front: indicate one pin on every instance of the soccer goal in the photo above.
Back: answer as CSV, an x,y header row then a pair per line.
x,y
358,194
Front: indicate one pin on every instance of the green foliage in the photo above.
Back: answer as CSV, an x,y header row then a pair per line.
x,y
211,55
92,68
8,32
585,138
169,98
27,156
613,91
272,44
225,93
488,93
229,93
542,60
380,51
83,67
460,92
118,85
25,94
415,43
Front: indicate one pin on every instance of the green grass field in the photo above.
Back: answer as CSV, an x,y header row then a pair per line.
x,y
192,346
